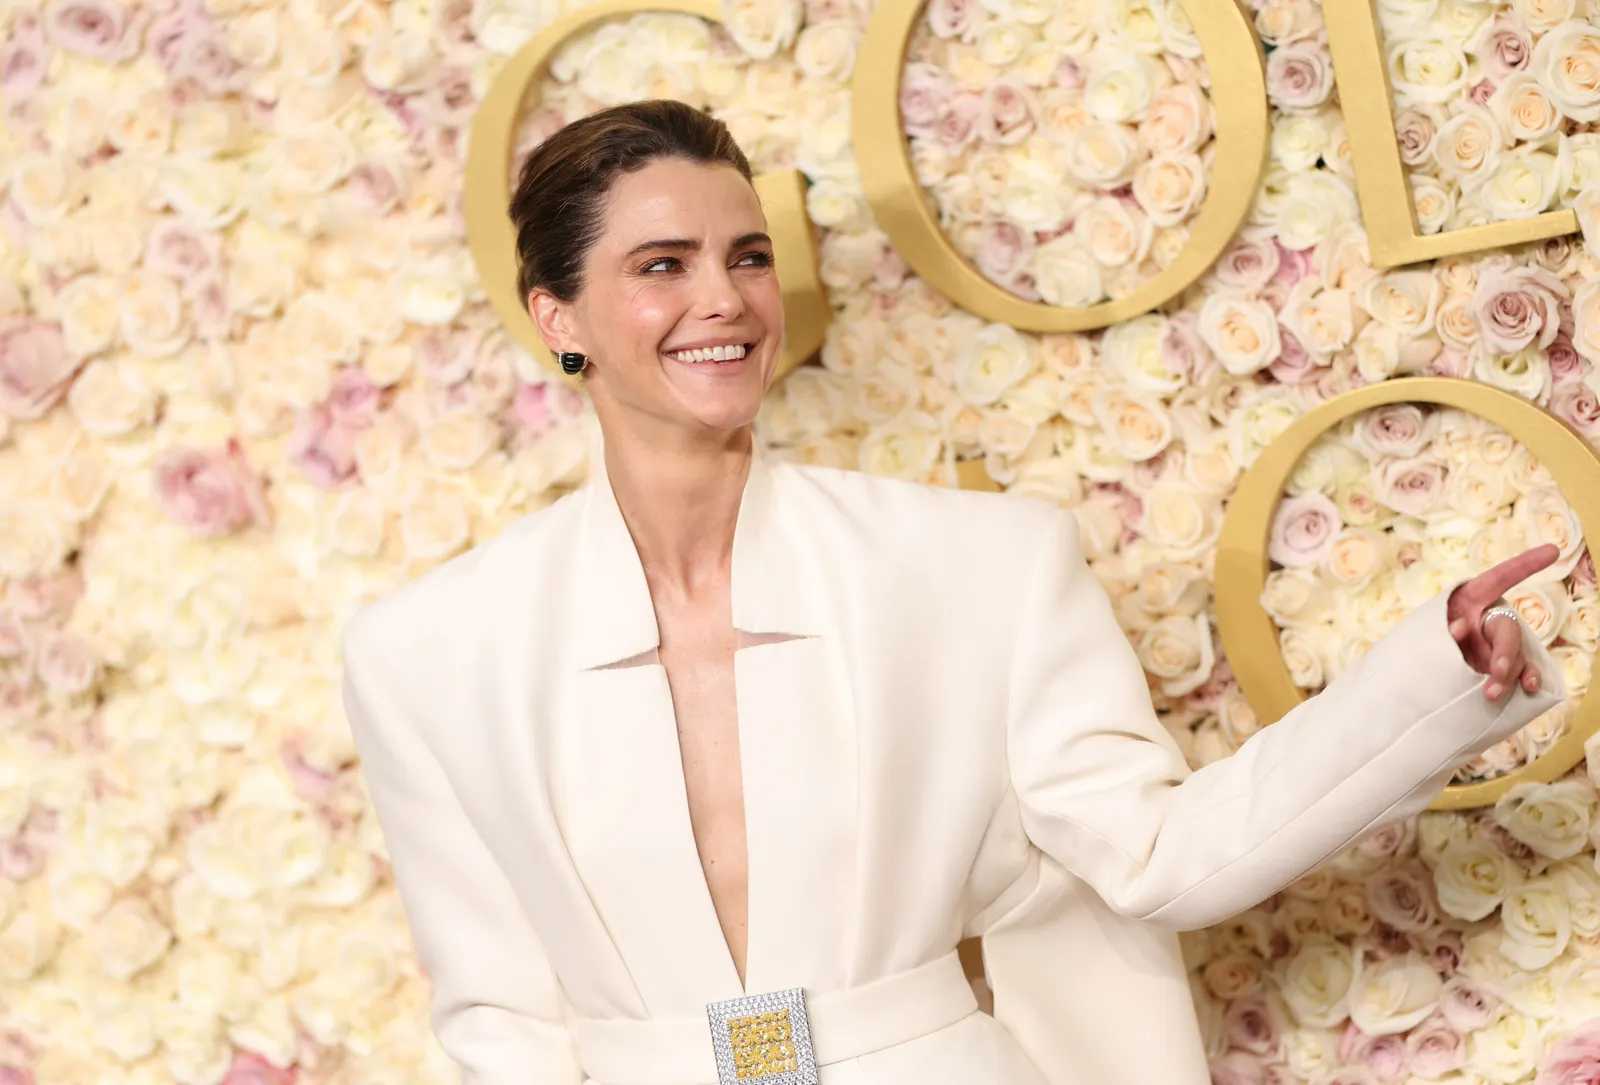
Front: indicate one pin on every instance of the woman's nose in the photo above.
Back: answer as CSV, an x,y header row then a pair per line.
x,y
719,295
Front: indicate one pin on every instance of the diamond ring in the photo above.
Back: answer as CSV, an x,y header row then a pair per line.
x,y
1500,611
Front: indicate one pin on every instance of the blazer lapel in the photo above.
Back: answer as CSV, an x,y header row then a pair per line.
x,y
626,812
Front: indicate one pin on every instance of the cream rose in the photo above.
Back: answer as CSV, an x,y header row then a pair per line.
x,y
1553,819
1066,274
1241,332
1566,63
1394,995
1315,982
1473,877
1535,924
1169,187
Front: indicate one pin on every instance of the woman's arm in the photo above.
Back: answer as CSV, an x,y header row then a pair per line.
x,y
496,1005
1105,791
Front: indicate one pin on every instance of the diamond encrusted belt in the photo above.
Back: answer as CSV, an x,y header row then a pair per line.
x,y
780,1038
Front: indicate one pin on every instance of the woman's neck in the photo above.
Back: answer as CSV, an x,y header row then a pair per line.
x,y
680,500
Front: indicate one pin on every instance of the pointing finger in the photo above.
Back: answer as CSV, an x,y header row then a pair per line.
x,y
1495,582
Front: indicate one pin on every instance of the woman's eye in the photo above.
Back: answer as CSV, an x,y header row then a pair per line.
x,y
666,263
755,259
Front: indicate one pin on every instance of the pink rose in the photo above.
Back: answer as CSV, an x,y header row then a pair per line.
x,y
1435,1048
354,399
65,664
15,1075
1010,112
99,29
1576,404
375,186
1293,265
19,861
444,358
181,249
1518,306
185,43
1466,1006
1449,362
1502,46
448,102
23,57
1566,364
1303,530
1583,574
1003,250
211,492
1481,92
1402,897
324,450
46,598
35,368
950,18
251,1069
208,305
1394,430
1415,132
1293,364
1250,1025
1575,1058
891,270
1410,486
311,784
537,408
1068,74
958,123
1383,1056
1247,264
1182,349
1299,75
1239,1068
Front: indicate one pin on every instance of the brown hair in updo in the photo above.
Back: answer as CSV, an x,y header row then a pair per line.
x,y
559,206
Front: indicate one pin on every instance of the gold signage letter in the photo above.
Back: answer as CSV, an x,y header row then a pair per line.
x,y
1249,636
1382,184
1243,127
488,192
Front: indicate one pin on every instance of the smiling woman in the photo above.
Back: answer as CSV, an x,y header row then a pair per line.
x,y
642,248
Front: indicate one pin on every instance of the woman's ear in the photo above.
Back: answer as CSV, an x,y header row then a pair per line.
x,y
554,320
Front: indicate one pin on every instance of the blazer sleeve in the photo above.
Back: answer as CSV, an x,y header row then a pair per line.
x,y
496,1006
1105,791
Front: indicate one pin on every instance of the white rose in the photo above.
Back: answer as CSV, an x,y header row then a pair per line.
x,y
210,194
1473,877
1507,1050
1566,62
1066,273
1527,372
129,938
1299,139
1102,154
1321,319
153,318
1315,205
907,447
1523,109
1407,301
90,314
1241,332
762,27
1119,87
1522,184
1552,819
1435,202
1427,70
1139,428
1467,147
997,358
1393,996
1116,233
1178,651
1035,204
44,187
396,62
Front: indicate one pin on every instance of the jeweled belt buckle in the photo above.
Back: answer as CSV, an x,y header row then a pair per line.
x,y
765,1038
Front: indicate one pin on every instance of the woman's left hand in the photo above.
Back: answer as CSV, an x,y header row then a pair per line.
x,y
1494,648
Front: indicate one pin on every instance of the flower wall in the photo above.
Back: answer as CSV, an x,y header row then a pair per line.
x,y
248,380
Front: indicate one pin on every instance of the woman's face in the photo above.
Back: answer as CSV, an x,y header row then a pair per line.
x,y
679,312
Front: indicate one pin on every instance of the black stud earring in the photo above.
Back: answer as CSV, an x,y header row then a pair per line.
x,y
572,362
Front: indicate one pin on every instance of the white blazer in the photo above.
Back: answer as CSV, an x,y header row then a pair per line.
x,y
946,734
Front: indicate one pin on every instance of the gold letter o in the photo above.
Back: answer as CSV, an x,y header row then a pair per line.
x,y
1249,636
488,192
1243,127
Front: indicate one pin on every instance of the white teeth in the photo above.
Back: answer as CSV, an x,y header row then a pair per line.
x,y
712,354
